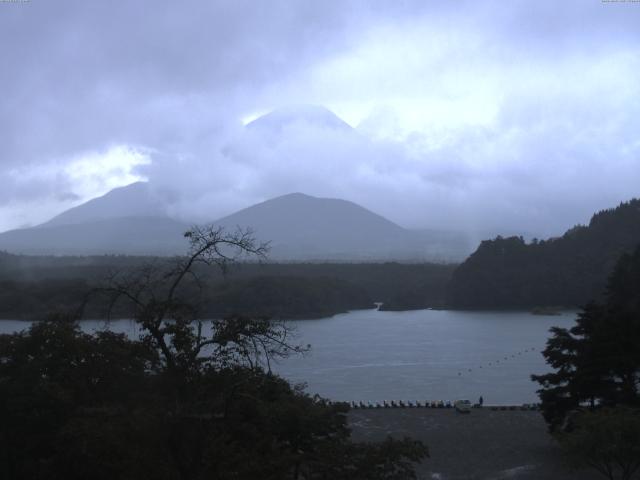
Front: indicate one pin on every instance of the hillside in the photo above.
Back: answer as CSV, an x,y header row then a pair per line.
x,y
566,271
304,228
134,200
131,221
123,235
128,220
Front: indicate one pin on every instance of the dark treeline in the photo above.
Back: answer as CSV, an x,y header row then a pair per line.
x,y
30,287
399,286
567,271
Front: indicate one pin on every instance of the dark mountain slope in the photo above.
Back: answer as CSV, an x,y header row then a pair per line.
x,y
130,221
125,235
304,227
135,200
568,271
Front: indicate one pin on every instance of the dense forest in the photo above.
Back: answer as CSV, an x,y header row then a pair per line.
x,y
30,287
567,271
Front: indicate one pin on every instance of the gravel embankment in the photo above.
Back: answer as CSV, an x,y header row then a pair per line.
x,y
481,445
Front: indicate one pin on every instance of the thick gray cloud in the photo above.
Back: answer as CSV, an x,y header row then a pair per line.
x,y
82,74
487,115
83,77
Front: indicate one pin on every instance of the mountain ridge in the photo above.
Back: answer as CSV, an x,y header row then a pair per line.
x,y
300,227
136,199
309,227
130,235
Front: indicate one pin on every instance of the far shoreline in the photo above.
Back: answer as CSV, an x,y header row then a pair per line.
x,y
552,312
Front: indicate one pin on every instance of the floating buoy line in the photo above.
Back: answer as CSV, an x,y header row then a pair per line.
x,y
497,362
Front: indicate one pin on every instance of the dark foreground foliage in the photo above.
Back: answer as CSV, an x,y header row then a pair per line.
x,y
79,406
567,271
607,440
187,400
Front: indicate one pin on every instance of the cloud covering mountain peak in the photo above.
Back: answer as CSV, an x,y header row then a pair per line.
x,y
317,116
503,115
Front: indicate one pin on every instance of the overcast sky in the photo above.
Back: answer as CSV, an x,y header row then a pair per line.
x,y
514,116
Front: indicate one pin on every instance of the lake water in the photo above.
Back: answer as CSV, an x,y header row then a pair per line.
x,y
369,355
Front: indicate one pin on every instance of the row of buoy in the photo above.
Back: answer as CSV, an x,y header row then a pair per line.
x,y
432,404
504,359
402,404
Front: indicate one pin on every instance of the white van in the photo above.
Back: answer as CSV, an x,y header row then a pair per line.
x,y
462,406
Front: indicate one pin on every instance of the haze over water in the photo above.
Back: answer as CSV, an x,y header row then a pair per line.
x,y
421,355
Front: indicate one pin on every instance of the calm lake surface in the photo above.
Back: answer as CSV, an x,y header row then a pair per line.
x,y
416,355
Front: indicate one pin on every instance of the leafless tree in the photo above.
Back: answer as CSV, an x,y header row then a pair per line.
x,y
155,296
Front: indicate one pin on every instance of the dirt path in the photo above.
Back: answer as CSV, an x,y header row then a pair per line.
x,y
482,445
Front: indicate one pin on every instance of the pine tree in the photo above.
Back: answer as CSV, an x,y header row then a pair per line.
x,y
597,362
